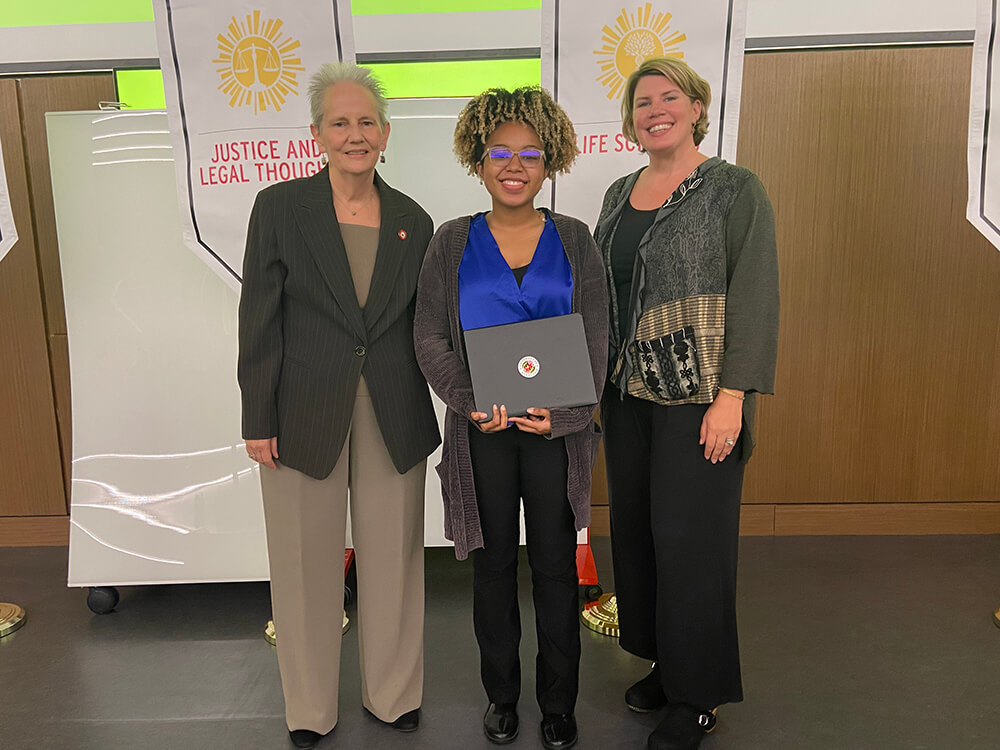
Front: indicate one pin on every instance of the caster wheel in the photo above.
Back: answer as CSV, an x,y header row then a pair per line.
x,y
102,599
592,592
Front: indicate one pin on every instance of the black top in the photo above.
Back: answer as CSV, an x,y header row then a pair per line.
x,y
519,273
628,234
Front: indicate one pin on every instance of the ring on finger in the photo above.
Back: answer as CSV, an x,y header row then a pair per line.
x,y
730,442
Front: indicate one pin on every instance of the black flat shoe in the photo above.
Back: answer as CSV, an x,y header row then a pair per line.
x,y
683,728
647,694
558,731
304,738
500,724
408,722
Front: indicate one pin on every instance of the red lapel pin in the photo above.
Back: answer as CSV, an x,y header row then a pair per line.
x,y
402,234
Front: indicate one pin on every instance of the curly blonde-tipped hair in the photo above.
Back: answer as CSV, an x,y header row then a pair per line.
x,y
531,105
693,85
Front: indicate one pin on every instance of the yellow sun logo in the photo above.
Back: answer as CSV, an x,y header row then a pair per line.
x,y
258,64
635,38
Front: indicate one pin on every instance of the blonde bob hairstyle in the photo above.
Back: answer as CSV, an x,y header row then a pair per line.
x,y
531,105
693,85
330,74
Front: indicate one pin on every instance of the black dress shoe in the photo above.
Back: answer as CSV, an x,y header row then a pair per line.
x,y
408,722
683,728
647,694
500,724
558,731
304,738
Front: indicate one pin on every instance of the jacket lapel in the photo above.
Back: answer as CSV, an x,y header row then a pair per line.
x,y
318,222
394,238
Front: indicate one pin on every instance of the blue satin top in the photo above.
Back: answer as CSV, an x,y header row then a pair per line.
x,y
488,293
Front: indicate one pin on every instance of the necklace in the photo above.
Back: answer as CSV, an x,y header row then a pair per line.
x,y
361,202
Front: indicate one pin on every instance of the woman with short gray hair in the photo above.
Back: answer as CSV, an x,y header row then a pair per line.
x,y
329,379
330,74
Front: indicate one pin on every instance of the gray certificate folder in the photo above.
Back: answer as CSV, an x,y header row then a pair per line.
x,y
542,363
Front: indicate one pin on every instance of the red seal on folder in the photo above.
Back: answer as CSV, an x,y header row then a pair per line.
x,y
528,367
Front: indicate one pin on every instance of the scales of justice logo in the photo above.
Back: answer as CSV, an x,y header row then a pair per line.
x,y
635,37
259,64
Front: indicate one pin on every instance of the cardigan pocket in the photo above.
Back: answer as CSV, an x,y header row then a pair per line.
x,y
668,365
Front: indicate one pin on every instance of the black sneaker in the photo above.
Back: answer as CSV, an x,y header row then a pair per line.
x,y
683,728
647,694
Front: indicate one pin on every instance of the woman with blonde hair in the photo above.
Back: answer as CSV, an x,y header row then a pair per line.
x,y
689,246
510,264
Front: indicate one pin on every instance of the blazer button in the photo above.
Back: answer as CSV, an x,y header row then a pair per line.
x,y
360,351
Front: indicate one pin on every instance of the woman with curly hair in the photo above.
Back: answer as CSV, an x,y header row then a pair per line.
x,y
510,264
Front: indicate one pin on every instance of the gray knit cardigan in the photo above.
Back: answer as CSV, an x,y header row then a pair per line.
x,y
711,264
440,350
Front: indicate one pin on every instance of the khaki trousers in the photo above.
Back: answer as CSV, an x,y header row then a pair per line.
x,y
306,521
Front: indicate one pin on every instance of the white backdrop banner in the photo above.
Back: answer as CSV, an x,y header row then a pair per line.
x,y
235,76
8,233
984,131
589,48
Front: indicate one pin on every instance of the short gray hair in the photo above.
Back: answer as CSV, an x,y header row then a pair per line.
x,y
330,74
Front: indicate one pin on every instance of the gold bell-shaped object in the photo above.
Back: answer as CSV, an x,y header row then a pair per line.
x,y
271,637
602,616
12,617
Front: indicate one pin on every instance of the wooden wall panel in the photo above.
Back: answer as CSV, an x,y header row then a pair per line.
x,y
30,472
41,94
34,531
600,520
755,520
59,365
888,383
886,518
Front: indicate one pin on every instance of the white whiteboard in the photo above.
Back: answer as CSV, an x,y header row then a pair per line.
x,y
162,490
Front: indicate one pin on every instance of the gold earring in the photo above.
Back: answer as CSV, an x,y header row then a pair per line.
x,y
323,159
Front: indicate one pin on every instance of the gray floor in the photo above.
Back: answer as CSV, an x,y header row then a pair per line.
x,y
848,642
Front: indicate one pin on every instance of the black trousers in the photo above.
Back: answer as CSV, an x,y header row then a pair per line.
x,y
675,533
508,466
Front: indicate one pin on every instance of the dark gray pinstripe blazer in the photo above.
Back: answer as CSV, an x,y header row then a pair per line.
x,y
305,341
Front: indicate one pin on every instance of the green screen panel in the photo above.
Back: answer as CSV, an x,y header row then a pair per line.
x,y
59,12
140,89
143,89
385,7
455,78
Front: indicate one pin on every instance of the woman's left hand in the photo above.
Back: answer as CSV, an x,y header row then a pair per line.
x,y
538,421
720,427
